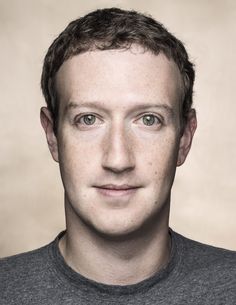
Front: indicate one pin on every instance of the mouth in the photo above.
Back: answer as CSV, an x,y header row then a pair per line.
x,y
114,190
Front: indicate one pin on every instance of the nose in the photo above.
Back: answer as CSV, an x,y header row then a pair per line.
x,y
118,152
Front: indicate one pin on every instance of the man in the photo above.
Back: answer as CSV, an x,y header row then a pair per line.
x,y
119,120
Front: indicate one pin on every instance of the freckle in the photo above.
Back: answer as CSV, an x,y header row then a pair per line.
x,y
150,163
155,173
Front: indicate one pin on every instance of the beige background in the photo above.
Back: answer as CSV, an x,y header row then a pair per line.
x,y
31,195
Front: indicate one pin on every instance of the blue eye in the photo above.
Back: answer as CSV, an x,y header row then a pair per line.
x,y
150,119
88,119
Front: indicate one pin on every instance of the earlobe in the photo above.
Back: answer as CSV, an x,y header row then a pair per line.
x,y
47,124
187,137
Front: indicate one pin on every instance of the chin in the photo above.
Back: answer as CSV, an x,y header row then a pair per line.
x,y
118,227
124,224
116,234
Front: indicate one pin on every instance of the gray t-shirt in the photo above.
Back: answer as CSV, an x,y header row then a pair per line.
x,y
196,274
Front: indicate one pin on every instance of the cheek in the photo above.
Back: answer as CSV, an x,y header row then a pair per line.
x,y
77,158
158,159
76,148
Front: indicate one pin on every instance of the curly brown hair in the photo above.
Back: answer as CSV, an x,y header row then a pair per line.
x,y
113,28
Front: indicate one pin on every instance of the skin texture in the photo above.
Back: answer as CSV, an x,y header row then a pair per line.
x,y
118,144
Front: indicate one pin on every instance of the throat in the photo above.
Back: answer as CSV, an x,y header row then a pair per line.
x,y
117,263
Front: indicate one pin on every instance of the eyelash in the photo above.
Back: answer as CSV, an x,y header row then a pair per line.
x,y
155,117
78,119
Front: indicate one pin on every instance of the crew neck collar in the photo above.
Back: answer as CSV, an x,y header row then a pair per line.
x,y
164,275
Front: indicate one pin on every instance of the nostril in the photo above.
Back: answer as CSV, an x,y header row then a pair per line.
x,y
118,170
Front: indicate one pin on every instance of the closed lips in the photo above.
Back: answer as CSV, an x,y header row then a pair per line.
x,y
117,187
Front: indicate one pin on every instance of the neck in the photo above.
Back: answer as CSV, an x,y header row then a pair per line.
x,y
115,261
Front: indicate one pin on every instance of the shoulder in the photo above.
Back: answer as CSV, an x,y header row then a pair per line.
x,y
29,262
203,254
24,272
211,268
24,263
25,277
22,259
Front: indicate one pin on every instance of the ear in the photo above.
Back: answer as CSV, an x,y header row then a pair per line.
x,y
187,136
47,123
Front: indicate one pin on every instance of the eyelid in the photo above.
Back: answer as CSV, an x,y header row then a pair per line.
x,y
158,116
97,116
81,115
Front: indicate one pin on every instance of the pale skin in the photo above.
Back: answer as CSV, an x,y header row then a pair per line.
x,y
118,144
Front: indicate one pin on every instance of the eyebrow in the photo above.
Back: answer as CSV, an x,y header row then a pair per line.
x,y
97,105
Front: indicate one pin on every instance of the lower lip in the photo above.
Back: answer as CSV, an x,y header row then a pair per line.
x,y
116,193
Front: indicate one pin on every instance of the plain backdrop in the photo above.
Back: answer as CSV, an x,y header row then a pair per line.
x,y
31,193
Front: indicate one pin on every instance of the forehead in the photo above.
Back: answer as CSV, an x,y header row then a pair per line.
x,y
119,77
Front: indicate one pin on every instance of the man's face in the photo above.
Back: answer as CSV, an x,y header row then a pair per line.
x,y
118,141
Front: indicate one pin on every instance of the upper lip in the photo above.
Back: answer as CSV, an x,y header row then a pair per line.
x,y
117,186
